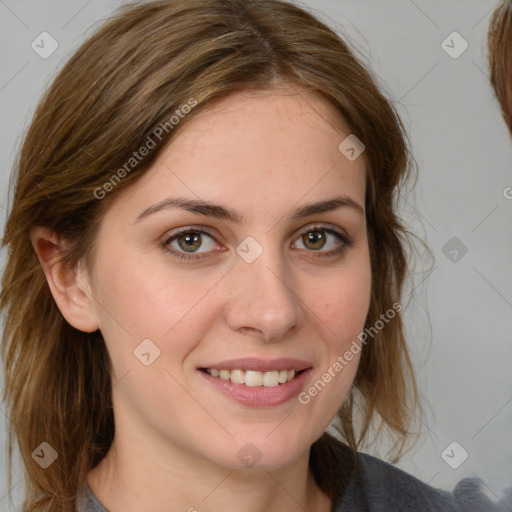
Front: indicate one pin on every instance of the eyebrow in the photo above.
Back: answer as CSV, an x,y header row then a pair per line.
x,y
220,212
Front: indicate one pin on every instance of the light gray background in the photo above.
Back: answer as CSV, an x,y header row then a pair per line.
x,y
463,353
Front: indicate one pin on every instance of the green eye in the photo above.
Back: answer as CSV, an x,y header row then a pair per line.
x,y
197,244
317,238
189,242
314,240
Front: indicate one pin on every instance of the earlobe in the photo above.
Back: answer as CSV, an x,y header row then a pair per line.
x,y
69,286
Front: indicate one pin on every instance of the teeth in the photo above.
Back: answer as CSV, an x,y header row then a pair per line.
x,y
253,378
237,376
270,379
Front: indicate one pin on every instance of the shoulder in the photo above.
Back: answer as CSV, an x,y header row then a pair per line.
x,y
377,486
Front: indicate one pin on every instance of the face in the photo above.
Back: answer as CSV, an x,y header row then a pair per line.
x,y
219,319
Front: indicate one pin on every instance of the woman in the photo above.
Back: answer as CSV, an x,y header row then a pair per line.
x,y
205,268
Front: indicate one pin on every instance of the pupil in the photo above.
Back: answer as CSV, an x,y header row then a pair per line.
x,y
191,241
316,238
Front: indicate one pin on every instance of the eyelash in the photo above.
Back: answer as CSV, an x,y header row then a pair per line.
x,y
346,242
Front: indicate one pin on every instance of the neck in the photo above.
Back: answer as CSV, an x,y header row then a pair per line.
x,y
135,479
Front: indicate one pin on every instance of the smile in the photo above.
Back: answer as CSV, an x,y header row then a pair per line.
x,y
254,378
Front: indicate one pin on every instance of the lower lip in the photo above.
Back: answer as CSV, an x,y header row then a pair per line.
x,y
259,396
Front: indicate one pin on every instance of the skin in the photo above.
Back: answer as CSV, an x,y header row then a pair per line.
x,y
177,437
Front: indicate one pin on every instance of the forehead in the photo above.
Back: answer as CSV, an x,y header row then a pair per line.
x,y
257,147
246,117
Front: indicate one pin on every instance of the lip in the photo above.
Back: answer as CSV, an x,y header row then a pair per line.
x,y
260,396
261,365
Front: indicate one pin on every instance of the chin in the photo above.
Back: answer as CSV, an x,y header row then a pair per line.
x,y
260,450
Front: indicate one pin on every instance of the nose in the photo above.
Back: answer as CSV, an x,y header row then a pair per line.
x,y
263,301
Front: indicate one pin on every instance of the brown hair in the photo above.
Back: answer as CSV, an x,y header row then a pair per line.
x,y
499,42
130,77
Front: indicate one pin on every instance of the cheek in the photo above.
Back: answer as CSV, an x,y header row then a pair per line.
x,y
344,306
148,298
342,312
137,301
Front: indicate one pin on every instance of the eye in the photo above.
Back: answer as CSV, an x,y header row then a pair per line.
x,y
191,243
187,243
324,240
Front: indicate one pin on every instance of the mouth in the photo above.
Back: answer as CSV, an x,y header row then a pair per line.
x,y
256,382
254,378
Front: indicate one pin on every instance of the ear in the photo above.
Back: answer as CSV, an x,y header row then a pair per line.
x,y
70,287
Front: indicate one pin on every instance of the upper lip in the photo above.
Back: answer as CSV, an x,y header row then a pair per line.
x,y
260,365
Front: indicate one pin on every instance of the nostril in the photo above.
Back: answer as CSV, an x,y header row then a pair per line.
x,y
252,330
